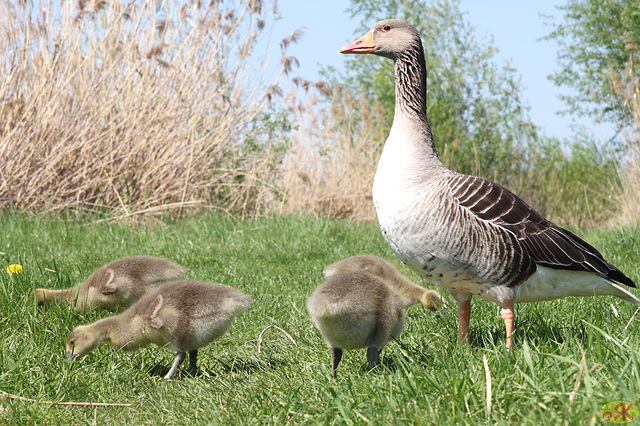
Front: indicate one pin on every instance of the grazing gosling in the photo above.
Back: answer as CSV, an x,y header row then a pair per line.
x,y
389,274
182,315
356,310
118,283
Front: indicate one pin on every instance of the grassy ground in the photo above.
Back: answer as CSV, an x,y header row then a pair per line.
x,y
570,358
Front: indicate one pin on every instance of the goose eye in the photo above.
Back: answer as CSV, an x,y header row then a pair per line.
x,y
386,27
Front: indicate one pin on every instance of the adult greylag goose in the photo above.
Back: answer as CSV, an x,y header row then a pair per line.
x,y
462,232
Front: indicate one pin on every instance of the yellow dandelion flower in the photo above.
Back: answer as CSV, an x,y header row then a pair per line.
x,y
14,268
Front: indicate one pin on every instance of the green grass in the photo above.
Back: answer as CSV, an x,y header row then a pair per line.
x,y
424,378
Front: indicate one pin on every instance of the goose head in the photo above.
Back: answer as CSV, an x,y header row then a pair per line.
x,y
390,38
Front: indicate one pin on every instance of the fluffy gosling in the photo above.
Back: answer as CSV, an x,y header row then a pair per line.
x,y
118,283
384,270
181,315
356,310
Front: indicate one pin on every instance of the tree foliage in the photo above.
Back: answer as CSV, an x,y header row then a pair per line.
x,y
598,55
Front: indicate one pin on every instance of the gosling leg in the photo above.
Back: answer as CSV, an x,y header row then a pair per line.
x,y
336,356
180,356
193,359
373,355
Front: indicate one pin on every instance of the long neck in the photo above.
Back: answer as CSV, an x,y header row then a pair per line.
x,y
115,329
101,329
411,93
406,287
411,292
69,295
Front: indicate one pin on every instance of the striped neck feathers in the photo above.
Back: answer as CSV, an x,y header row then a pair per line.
x,y
411,91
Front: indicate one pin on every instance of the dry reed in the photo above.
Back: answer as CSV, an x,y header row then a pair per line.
x,y
329,169
625,88
140,106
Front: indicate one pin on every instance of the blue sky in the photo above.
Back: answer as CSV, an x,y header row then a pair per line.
x,y
516,27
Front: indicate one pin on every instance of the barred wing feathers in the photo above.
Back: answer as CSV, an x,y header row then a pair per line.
x,y
544,242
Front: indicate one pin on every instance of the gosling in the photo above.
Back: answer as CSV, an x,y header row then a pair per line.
x,y
119,283
384,270
181,315
356,310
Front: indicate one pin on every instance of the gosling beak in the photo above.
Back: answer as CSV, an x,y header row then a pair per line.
x,y
69,356
364,44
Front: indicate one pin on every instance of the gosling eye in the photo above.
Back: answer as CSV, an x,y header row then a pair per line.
x,y
386,27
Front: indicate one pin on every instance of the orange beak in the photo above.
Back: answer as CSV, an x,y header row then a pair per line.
x,y
364,44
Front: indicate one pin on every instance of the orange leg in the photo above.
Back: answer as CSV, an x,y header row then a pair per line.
x,y
464,317
507,317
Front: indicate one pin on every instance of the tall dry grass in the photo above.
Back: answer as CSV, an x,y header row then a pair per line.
x,y
625,87
330,166
130,107
630,178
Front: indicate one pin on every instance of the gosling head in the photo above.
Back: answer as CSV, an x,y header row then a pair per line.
x,y
80,342
431,300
